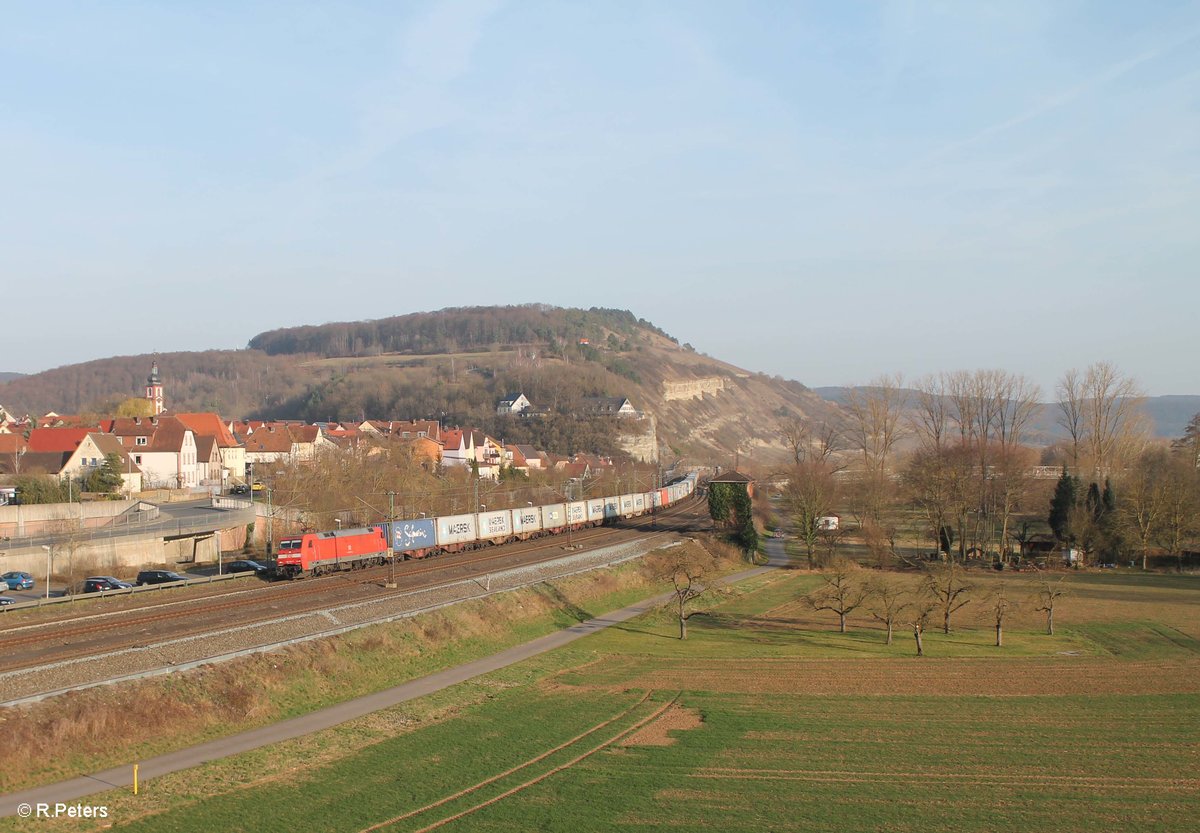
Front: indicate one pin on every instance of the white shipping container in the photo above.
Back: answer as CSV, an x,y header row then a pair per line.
x,y
639,503
595,510
455,529
626,505
527,520
577,512
554,516
495,524
612,507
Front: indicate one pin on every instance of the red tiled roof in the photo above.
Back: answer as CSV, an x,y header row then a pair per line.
x,y
304,433
208,425
268,441
12,443
56,439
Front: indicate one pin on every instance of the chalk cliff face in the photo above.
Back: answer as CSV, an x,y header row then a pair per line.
x,y
639,438
692,388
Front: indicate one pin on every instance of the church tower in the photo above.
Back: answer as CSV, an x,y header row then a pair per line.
x,y
154,389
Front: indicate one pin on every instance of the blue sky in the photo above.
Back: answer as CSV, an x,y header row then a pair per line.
x,y
824,191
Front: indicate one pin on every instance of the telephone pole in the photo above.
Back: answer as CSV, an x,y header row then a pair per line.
x,y
391,585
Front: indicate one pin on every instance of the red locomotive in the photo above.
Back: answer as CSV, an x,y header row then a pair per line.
x,y
315,553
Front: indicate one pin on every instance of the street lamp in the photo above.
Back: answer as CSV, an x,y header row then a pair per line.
x,y
47,549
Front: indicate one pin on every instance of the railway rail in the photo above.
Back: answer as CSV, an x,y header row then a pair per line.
x,y
62,640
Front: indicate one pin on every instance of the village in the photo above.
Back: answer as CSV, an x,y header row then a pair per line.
x,y
206,453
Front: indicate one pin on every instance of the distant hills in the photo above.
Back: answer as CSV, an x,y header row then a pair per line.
x,y
5,376
455,365
1169,413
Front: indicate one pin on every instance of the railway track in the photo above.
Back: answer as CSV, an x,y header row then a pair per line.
x,y
62,640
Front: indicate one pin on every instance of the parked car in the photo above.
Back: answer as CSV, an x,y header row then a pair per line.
x,y
245,566
239,489
95,584
158,577
17,580
5,601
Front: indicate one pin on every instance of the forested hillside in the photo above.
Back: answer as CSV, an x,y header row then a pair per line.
x,y
454,366
228,381
455,330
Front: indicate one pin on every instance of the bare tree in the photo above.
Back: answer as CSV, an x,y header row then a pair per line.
x,y
931,412
1070,411
810,443
1000,606
688,571
811,494
889,599
918,618
1180,519
843,590
1113,417
875,426
1143,500
1047,596
947,587
1101,410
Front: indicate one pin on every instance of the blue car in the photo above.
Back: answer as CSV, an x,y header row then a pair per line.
x,y
17,581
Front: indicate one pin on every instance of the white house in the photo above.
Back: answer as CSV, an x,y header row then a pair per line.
x,y
514,403
609,406
164,449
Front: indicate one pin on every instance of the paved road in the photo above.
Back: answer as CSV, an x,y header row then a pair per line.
x,y
69,791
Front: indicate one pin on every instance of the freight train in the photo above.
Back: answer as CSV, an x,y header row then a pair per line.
x,y
314,553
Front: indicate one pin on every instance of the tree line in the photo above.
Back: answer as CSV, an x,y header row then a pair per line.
x,y
956,452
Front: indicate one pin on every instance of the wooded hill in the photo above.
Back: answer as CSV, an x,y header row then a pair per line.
x,y
455,365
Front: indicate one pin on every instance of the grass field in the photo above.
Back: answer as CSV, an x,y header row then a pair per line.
x,y
764,720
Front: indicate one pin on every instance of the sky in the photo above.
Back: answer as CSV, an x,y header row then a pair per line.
x,y
823,191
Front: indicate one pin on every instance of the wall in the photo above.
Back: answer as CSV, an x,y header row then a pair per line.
x,y
16,521
122,557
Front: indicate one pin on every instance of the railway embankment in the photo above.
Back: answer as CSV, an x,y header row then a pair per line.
x,y
88,730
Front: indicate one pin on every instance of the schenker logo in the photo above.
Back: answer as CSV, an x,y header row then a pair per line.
x,y
410,534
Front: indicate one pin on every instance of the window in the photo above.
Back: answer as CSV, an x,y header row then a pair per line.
x,y
139,440
138,459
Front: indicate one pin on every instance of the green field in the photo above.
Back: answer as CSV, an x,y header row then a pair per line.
x,y
763,720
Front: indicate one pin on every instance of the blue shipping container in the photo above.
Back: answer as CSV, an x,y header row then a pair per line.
x,y
412,535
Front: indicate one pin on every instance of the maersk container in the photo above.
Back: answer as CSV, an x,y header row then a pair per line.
x,y
577,513
493,525
527,521
554,516
412,535
595,510
663,498
456,529
612,507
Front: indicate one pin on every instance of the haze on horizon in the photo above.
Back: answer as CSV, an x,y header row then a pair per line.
x,y
827,192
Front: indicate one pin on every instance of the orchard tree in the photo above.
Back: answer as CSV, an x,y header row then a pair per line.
x,y
1047,597
945,584
688,569
889,599
843,590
